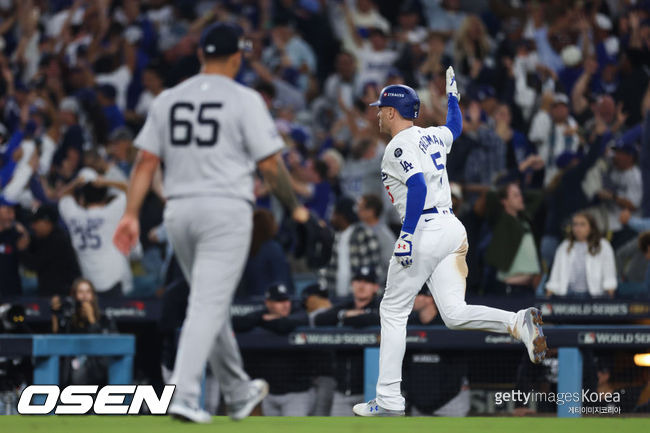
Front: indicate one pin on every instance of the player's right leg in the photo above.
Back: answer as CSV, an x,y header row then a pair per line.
x,y
447,285
402,286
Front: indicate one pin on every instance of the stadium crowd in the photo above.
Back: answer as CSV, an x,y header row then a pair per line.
x,y
551,175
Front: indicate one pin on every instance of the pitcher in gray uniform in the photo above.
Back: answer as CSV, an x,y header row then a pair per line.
x,y
211,133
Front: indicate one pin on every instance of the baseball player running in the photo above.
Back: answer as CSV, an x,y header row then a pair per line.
x,y
432,245
209,132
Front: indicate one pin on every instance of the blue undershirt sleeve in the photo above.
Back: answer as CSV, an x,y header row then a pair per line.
x,y
415,197
454,117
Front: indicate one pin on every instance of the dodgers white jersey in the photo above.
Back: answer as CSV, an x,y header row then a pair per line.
x,y
209,131
91,231
418,150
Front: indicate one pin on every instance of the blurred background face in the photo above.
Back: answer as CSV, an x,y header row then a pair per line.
x,y
345,66
281,308
7,215
364,290
514,199
42,228
560,113
622,160
502,114
364,212
580,228
84,292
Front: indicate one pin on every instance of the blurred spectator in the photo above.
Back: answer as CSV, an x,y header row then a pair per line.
x,y
472,49
286,397
554,133
121,149
152,81
92,219
313,187
55,272
339,86
424,311
644,246
486,159
289,55
584,264
362,310
622,189
106,95
567,193
105,168
267,262
644,159
522,162
513,250
370,212
315,300
351,23
80,314
362,168
14,238
355,246
276,316
444,15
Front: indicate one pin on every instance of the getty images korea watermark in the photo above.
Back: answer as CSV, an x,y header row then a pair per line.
x,y
591,402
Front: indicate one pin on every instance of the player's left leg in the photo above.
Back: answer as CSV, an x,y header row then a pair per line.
x,y
447,285
241,395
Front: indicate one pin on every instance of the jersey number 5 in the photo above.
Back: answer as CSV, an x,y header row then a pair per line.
x,y
181,129
435,157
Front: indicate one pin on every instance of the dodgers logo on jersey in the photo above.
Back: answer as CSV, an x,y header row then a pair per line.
x,y
398,152
407,166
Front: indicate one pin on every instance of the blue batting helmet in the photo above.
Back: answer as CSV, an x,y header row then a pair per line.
x,y
402,98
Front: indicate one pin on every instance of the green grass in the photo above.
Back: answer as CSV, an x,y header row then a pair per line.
x,y
159,424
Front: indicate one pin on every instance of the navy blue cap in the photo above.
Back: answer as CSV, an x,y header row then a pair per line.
x,y
402,98
315,289
629,148
365,273
277,292
222,39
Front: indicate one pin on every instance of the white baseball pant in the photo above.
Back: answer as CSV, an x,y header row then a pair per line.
x,y
211,237
439,250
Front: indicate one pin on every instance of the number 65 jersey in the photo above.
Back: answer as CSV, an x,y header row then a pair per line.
x,y
209,131
418,150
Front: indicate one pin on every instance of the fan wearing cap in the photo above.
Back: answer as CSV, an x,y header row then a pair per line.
x,y
622,189
276,316
91,215
432,245
50,254
13,239
287,396
360,311
554,133
211,133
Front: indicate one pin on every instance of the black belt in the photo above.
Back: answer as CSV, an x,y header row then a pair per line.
x,y
435,210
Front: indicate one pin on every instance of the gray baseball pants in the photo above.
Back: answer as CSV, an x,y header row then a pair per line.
x,y
211,238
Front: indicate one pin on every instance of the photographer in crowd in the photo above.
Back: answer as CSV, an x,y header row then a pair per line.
x,y
80,314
